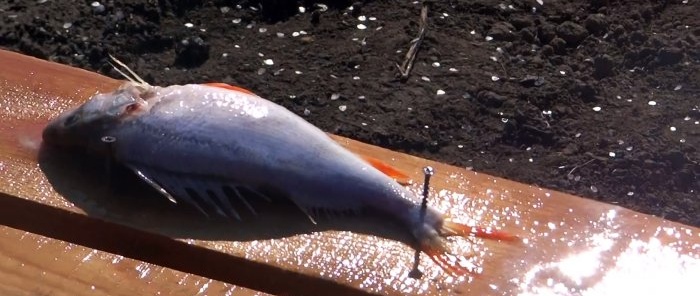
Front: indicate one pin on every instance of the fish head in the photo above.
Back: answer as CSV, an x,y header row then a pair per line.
x,y
86,124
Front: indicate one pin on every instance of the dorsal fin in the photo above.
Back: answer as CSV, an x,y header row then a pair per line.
x,y
229,87
387,170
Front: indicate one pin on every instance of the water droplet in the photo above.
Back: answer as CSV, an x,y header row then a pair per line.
x,y
361,26
342,108
596,108
652,103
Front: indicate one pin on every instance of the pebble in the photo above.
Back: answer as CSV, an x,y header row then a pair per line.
x,y
572,33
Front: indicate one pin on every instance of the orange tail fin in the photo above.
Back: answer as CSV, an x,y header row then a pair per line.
x,y
435,246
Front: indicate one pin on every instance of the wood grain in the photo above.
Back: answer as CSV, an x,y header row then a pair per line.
x,y
570,245
31,264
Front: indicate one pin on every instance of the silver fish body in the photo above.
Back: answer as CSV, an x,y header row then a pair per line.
x,y
207,140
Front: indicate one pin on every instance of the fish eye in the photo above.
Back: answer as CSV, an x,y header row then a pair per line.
x,y
71,119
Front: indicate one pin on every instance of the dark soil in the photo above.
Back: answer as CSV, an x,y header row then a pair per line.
x,y
521,80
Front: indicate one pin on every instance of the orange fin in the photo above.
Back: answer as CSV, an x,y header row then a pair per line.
x,y
387,170
454,228
229,87
454,265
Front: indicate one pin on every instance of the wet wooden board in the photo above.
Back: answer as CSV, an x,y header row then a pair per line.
x,y
570,245
31,264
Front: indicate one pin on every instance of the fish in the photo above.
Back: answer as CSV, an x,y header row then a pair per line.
x,y
203,143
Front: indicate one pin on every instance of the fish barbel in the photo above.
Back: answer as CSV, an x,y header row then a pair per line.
x,y
202,143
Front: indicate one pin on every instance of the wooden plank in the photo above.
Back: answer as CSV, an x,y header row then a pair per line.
x,y
570,245
31,264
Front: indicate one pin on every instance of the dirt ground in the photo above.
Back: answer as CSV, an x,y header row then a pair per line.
x,y
596,98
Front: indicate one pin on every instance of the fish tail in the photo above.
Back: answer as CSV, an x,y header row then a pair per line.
x,y
433,243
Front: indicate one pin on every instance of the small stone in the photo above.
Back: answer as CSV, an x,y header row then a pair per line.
x,y
269,62
559,45
596,108
572,33
652,103
307,112
596,23
669,56
342,108
97,7
603,66
491,99
361,26
502,31
520,22
335,96
532,80
440,92
189,25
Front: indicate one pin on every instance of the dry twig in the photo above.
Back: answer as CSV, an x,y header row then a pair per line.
x,y
405,68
